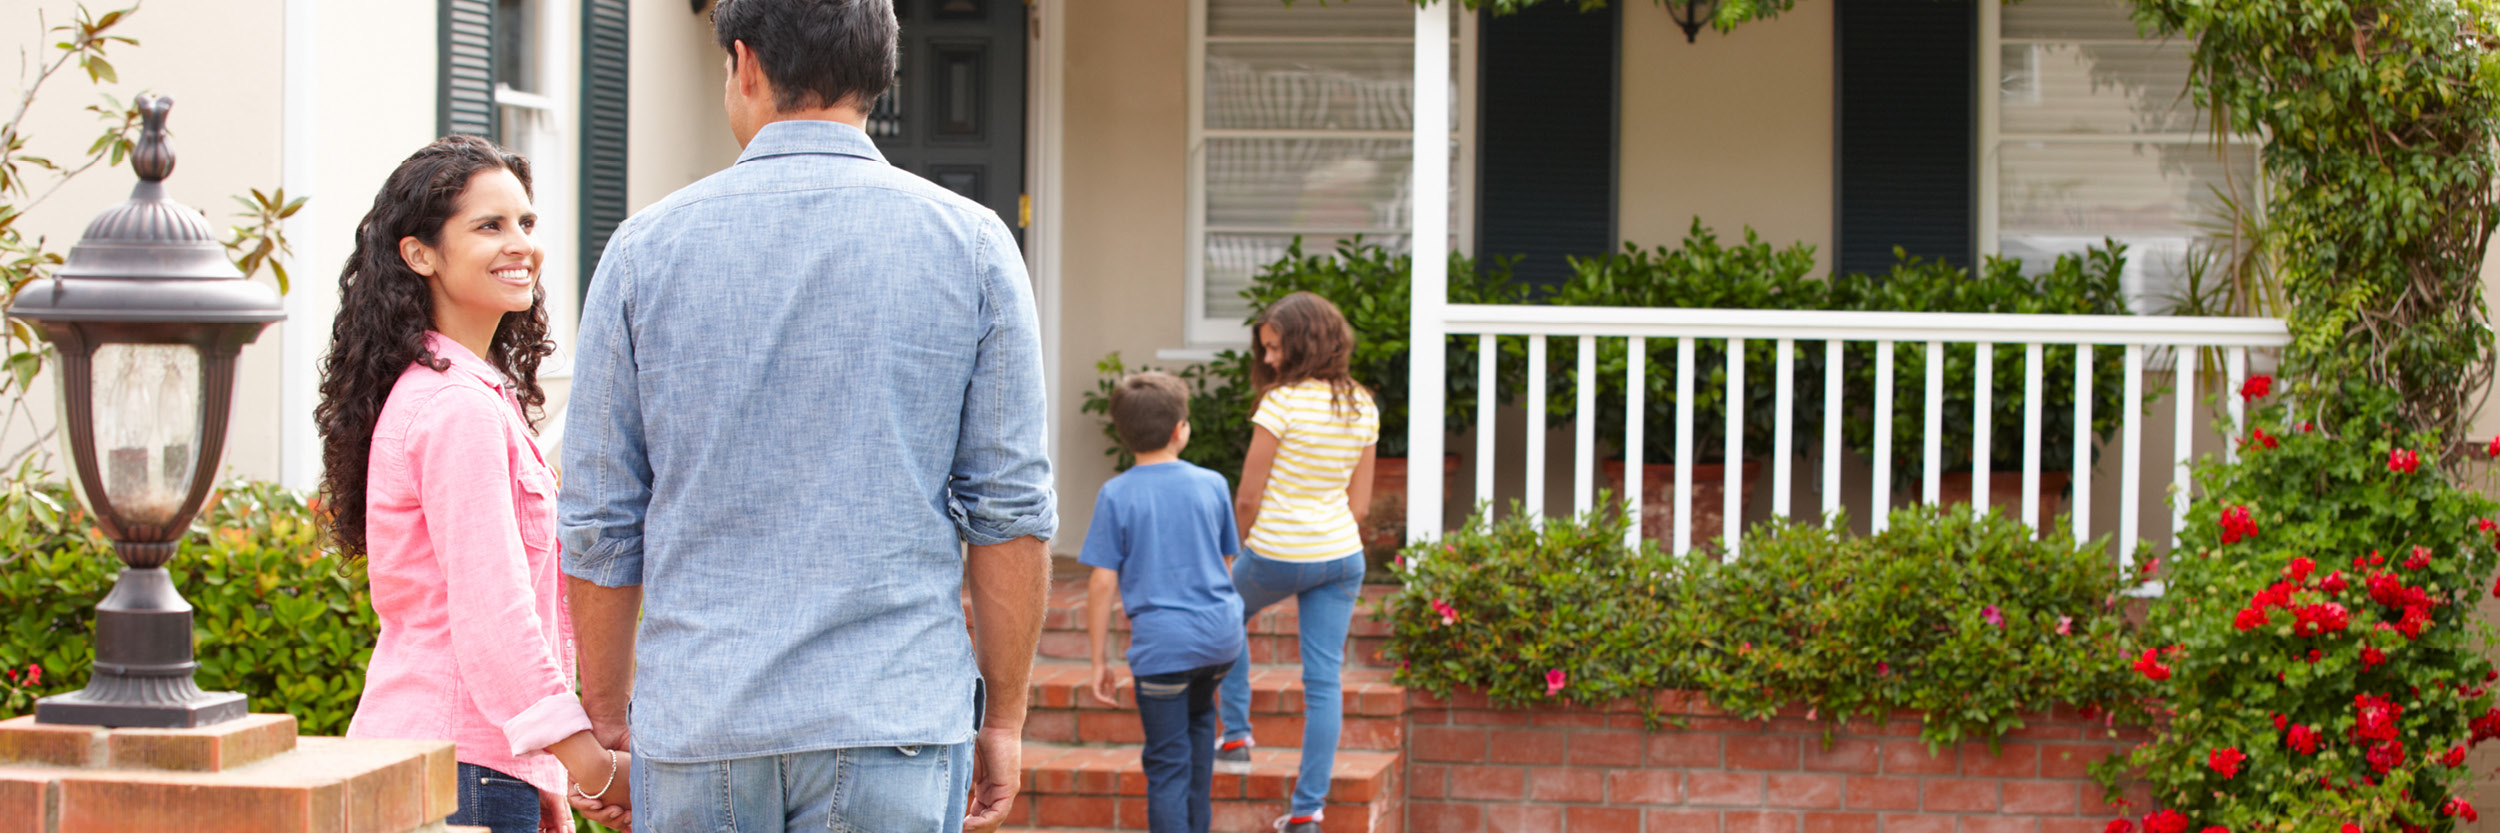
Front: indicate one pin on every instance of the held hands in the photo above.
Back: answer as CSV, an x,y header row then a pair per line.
x,y
611,802
1104,685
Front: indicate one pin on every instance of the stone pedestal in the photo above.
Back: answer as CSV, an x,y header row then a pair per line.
x,y
252,774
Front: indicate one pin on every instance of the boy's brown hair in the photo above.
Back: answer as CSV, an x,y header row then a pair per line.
x,y
1145,407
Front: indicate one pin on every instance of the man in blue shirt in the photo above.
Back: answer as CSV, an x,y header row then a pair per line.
x,y
1161,533
803,386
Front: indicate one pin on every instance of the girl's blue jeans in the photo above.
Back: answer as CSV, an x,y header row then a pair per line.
x,y
1325,592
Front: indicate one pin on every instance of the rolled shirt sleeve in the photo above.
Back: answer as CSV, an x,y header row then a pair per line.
x,y
465,481
999,487
607,466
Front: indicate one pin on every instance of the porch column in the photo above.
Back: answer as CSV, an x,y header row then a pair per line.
x,y
1430,237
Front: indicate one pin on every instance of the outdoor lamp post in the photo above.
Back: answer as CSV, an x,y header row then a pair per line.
x,y
147,316
1691,15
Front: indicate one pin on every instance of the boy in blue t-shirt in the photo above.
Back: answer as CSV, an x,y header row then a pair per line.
x,y
1161,533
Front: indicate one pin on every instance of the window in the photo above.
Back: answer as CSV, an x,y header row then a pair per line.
x,y
2090,133
1301,126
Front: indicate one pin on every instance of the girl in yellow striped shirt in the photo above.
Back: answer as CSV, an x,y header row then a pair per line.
x,y
1304,489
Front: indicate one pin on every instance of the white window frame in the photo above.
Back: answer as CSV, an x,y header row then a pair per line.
x,y
1992,139
1204,331
554,164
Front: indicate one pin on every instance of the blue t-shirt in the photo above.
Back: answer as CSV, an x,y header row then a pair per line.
x,y
1166,528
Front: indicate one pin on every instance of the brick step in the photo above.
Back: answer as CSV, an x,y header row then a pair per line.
x,y
1274,632
1061,711
1071,788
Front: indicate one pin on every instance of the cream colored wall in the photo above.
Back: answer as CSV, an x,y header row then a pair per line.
x,y
1126,135
677,134
220,62
1735,128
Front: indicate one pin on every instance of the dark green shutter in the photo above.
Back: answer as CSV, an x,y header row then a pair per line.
x,y
1904,82
604,72
1545,132
464,100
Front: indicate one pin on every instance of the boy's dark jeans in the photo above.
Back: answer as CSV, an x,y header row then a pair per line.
x,y
1179,712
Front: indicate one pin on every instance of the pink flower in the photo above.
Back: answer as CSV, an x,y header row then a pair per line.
x,y
2403,461
2256,386
1553,681
2065,625
1991,614
1449,615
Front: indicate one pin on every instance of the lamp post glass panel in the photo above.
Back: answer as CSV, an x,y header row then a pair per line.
x,y
147,316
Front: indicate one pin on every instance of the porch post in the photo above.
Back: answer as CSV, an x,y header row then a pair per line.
x,y
1430,237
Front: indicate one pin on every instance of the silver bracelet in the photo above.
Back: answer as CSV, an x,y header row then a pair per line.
x,y
603,788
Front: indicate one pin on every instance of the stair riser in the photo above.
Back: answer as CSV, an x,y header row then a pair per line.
x,y
1228,816
1264,649
1272,731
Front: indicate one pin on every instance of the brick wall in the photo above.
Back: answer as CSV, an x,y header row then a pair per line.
x,y
1472,768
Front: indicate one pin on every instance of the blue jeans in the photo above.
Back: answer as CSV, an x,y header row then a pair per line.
x,y
1179,712
1325,591
873,789
495,801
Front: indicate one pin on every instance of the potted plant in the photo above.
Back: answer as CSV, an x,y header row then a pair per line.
x,y
2084,284
1706,274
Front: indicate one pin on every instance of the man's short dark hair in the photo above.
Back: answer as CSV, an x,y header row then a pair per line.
x,y
817,53
1145,407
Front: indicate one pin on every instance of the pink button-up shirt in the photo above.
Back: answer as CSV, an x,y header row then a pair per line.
x,y
476,644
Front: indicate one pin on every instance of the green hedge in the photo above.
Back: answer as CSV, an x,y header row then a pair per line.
x,y
1969,620
275,617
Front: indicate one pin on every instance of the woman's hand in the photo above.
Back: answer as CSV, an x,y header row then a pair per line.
x,y
614,806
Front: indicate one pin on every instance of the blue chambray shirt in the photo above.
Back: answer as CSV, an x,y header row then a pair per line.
x,y
800,383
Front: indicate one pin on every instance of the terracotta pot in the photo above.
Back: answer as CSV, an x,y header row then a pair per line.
x,y
1384,530
2005,492
1658,499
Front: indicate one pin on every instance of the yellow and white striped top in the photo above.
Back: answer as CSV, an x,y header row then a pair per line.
x,y
1303,514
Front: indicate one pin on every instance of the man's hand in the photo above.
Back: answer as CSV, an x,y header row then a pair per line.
x,y
998,765
1105,685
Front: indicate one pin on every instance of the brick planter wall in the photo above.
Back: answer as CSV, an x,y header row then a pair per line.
x,y
1472,768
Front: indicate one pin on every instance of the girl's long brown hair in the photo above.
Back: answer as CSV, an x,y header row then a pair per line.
x,y
1317,344
385,310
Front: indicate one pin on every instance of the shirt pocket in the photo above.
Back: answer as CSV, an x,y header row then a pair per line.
x,y
535,503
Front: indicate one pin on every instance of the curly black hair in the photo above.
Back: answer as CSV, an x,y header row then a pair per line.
x,y
385,309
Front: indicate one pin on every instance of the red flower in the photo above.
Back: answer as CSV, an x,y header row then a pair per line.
x,y
2455,757
2237,524
2403,461
2460,808
2318,619
2226,761
2377,717
2415,619
2421,558
2119,826
2279,722
2315,655
2307,426
2302,739
2257,437
2386,756
2216,828
1883,669
2300,568
2495,447
2166,821
2371,657
2350,827
2249,619
2333,583
1449,615
34,675
2487,726
2486,525
1553,681
2152,669
2386,589
2256,386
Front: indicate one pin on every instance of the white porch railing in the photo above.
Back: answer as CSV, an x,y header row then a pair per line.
x,y
2029,333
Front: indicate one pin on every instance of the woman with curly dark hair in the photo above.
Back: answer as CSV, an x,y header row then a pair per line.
x,y
428,402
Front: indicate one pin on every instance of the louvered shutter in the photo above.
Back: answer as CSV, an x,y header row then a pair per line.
x,y
604,73
465,73
1546,137
1905,86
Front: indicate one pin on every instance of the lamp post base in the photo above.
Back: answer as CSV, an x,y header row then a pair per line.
x,y
191,710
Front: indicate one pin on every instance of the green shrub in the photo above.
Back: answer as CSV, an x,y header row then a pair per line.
x,y
2073,285
1701,273
275,617
1971,621
2329,581
1219,411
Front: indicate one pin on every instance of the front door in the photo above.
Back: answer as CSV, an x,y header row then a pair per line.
x,y
956,112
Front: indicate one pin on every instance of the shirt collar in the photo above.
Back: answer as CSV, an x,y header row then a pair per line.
x,y
783,138
443,347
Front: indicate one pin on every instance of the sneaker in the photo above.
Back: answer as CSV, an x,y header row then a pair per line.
x,y
1234,756
1298,824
